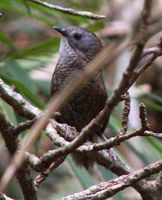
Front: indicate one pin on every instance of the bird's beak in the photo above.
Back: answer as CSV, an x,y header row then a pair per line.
x,y
60,30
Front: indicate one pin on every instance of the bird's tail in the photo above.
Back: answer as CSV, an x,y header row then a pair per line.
x,y
87,161
83,160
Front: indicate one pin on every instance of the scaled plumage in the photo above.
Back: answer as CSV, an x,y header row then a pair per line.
x,y
78,47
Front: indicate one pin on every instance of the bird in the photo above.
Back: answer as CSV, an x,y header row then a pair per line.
x,y
78,47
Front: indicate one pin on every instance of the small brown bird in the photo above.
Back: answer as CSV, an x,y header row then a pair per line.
x,y
78,47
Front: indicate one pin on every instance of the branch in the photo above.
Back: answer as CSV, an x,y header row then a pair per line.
x,y
23,107
27,110
22,126
70,11
143,117
152,50
101,158
148,61
23,175
153,134
4,197
126,112
144,131
116,141
44,174
52,155
158,185
146,14
105,190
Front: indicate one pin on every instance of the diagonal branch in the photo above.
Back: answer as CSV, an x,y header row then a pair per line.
x,y
70,11
45,173
23,107
16,130
105,190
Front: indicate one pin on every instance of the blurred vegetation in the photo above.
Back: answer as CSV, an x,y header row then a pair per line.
x,y
28,53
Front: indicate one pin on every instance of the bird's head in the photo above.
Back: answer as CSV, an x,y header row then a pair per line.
x,y
81,39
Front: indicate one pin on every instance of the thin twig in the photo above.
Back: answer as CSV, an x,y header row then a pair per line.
x,y
153,134
116,141
70,11
126,112
143,117
22,126
44,174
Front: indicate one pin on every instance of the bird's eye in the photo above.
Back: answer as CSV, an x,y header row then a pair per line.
x,y
77,36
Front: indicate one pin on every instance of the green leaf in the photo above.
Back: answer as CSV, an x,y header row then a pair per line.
x,y
43,87
45,48
4,38
155,143
15,71
8,111
15,6
137,152
85,179
20,87
27,7
152,104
